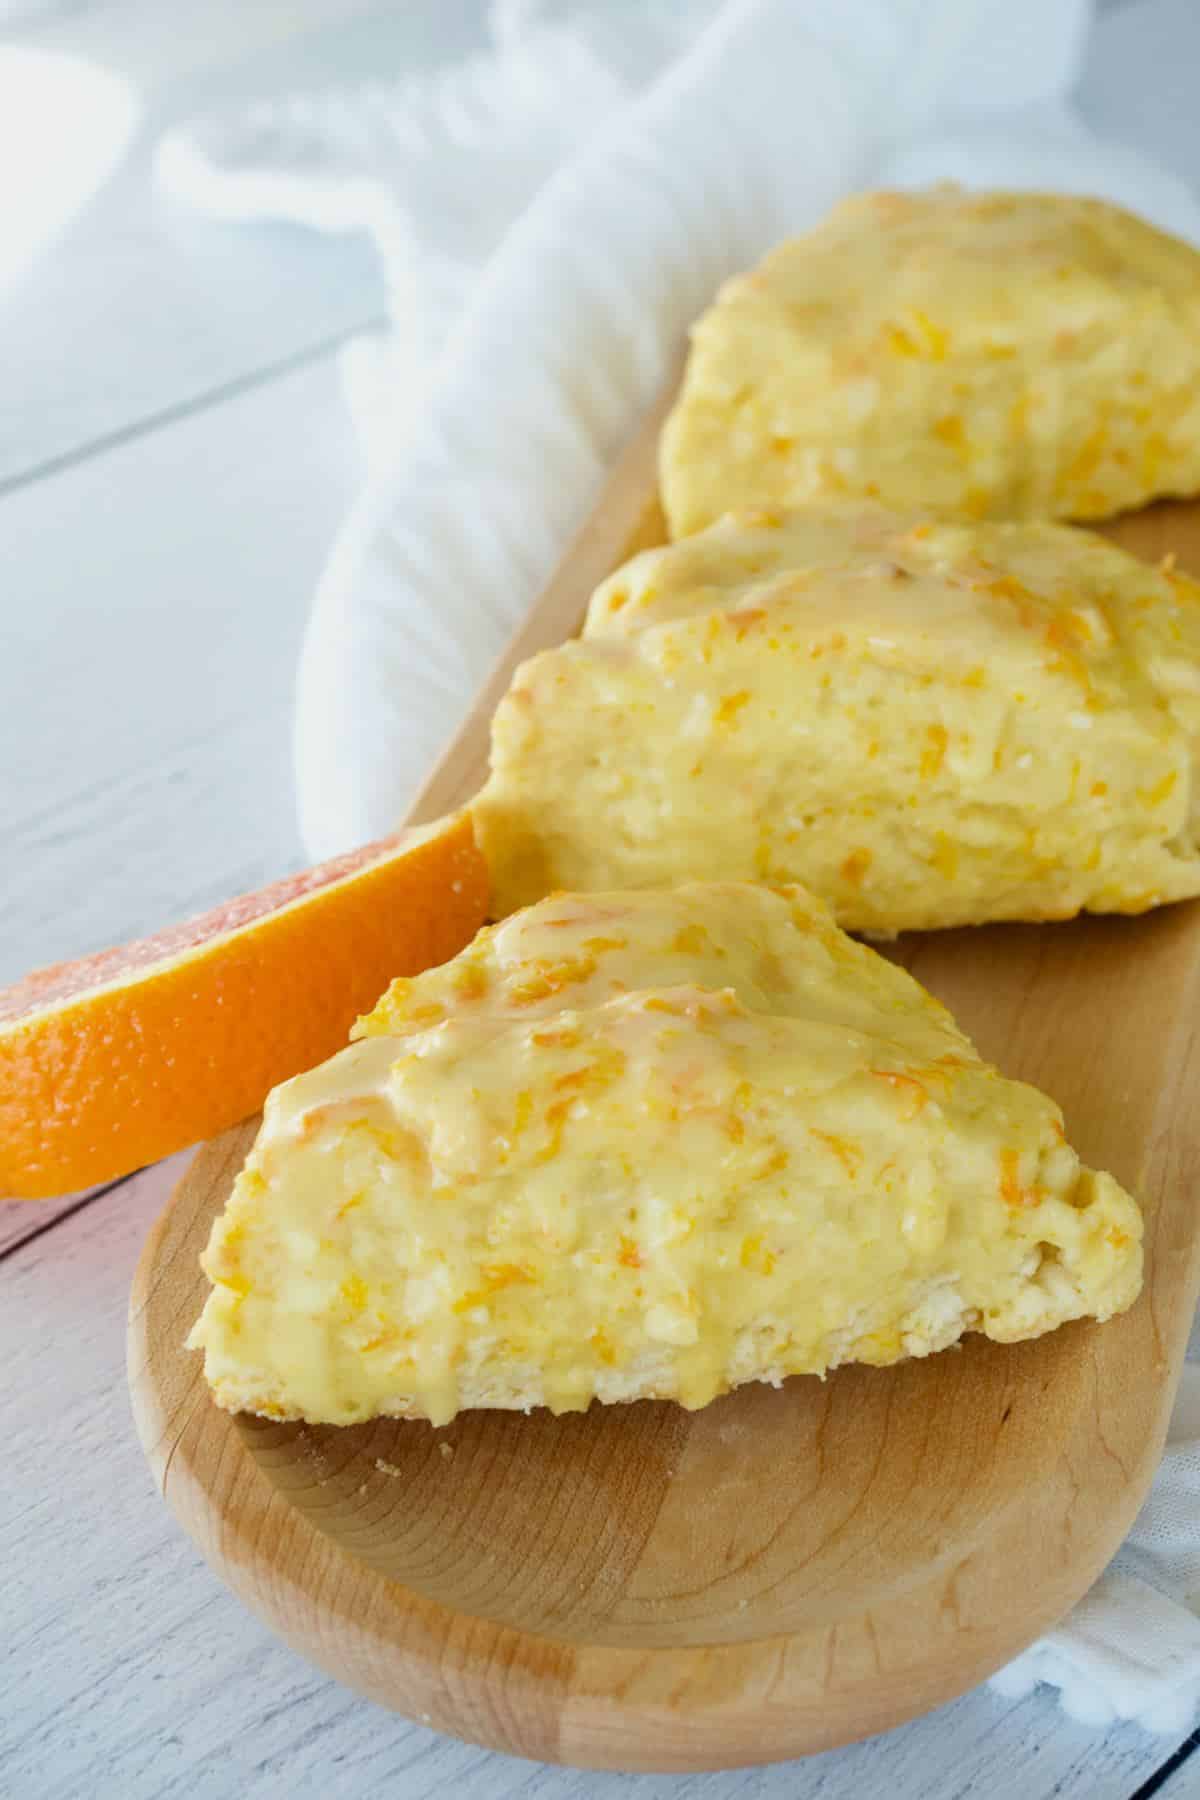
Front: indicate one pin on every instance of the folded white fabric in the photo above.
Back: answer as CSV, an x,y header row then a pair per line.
x,y
551,217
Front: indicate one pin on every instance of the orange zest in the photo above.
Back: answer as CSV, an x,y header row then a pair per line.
x,y
111,1062
907,1085
1012,1191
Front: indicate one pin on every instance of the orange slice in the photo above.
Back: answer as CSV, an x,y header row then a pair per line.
x,y
111,1062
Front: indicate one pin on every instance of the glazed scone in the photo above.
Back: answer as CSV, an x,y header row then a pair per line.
x,y
1006,355
929,724
645,1145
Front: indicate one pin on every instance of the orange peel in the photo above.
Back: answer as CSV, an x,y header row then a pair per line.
x,y
118,1059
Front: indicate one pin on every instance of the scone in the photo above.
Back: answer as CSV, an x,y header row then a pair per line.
x,y
929,724
1004,355
642,1145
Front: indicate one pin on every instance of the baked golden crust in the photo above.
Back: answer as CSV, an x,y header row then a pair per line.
x,y
645,1145
1004,355
928,723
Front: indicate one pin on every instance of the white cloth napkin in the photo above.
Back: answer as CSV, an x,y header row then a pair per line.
x,y
550,218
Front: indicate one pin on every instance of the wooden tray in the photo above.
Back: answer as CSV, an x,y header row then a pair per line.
x,y
644,1588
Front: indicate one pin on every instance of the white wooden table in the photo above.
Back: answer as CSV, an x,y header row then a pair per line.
x,y
174,457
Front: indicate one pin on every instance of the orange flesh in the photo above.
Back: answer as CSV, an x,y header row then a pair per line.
x,y
118,1059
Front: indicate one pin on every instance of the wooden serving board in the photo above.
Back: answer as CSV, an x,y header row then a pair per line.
x,y
643,1588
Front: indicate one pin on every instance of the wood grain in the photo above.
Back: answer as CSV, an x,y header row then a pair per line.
x,y
20,1220
128,1669
143,309
788,1569
133,1673
145,711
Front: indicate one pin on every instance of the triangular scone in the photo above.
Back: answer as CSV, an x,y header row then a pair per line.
x,y
927,723
1006,354
650,1144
